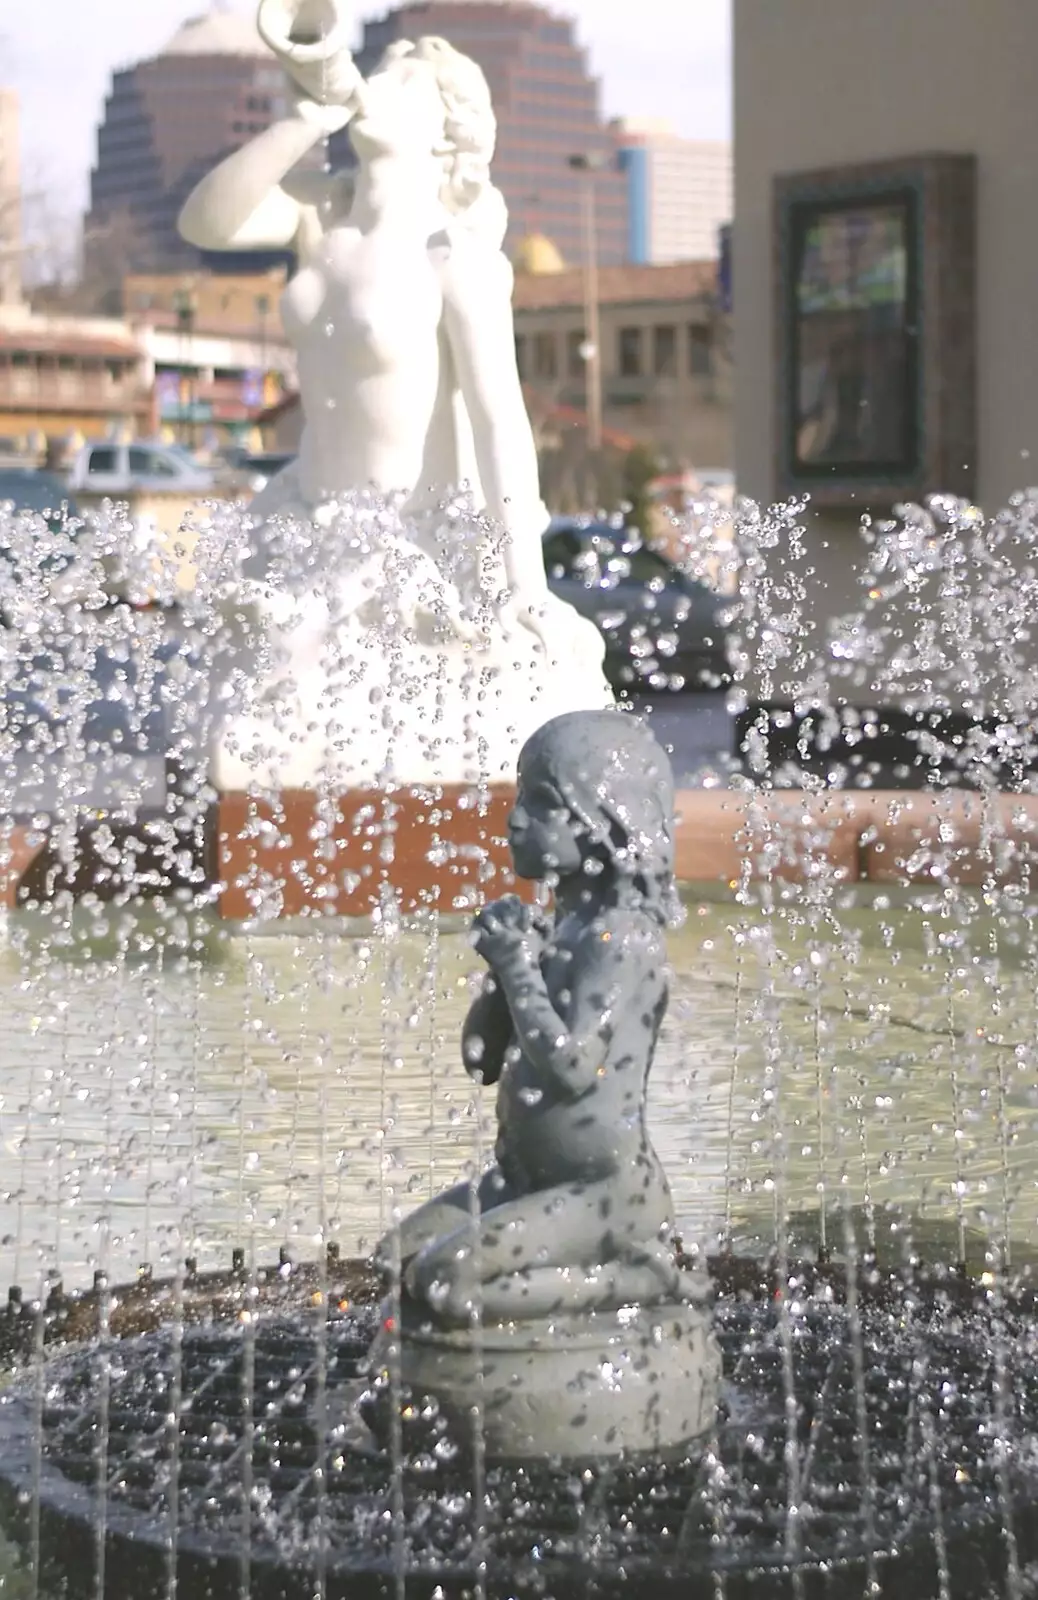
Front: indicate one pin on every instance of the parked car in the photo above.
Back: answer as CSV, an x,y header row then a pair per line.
x,y
25,489
259,469
662,629
116,469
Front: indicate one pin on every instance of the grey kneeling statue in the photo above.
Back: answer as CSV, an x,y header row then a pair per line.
x,y
548,1301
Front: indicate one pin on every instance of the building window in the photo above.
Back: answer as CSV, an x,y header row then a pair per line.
x,y
575,358
700,355
665,352
149,464
520,355
545,356
630,350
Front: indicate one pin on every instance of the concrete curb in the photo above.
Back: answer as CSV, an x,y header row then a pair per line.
x,y
886,836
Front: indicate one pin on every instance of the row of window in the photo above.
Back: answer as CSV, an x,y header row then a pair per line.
x,y
536,104
553,176
142,462
640,353
556,62
478,32
24,360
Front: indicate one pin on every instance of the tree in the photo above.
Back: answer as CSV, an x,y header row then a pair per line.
x,y
111,247
641,468
11,248
71,267
48,236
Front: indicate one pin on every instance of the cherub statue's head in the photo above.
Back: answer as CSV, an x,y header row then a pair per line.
x,y
596,796
426,97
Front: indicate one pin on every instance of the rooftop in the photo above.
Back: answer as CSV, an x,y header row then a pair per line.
x,y
647,127
681,280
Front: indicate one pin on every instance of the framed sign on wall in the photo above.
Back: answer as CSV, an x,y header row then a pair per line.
x,y
875,322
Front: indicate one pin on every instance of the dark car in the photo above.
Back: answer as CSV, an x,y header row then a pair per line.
x,y
30,495
259,469
43,492
663,630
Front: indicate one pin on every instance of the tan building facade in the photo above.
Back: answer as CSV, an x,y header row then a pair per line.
x,y
828,84
66,376
216,348
244,304
666,367
203,381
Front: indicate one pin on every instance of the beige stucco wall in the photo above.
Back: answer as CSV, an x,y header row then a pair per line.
x,y
686,417
826,82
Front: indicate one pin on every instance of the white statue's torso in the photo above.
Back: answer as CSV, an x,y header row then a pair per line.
x,y
365,313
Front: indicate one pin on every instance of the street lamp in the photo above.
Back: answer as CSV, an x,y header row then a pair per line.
x,y
185,304
263,312
589,163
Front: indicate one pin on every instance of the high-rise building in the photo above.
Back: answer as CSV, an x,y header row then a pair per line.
x,y
166,122
679,192
547,107
10,201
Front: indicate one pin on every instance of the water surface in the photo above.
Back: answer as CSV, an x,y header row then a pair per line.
x,y
176,1092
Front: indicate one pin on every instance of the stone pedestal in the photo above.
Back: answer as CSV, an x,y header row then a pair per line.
x,y
605,1386
305,854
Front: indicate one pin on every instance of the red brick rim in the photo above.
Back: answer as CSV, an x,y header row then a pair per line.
x,y
728,837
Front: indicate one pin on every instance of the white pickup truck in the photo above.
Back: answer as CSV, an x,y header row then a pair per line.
x,y
158,482
119,470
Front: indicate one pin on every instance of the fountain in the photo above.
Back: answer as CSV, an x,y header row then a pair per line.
x,y
282,1317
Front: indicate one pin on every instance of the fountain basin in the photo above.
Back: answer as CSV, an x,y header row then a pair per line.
x,y
241,1417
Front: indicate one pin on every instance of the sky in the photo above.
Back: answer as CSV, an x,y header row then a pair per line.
x,y
60,55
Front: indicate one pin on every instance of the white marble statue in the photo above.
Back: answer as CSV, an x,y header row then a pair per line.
x,y
408,636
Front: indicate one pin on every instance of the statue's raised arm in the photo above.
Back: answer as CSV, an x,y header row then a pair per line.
x,y
245,202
